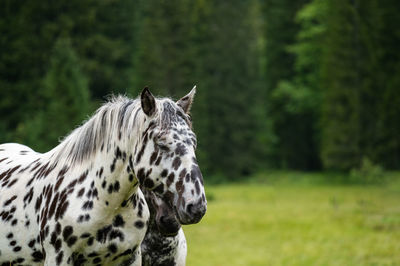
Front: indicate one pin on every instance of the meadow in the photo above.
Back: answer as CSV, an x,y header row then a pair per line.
x,y
301,221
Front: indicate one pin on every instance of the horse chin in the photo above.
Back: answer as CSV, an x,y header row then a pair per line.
x,y
171,233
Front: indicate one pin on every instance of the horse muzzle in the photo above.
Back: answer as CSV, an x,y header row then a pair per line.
x,y
194,212
168,225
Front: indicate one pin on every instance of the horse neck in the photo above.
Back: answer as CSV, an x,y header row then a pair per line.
x,y
110,166
113,175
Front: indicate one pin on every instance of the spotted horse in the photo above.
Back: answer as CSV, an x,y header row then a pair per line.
x,y
164,242
80,203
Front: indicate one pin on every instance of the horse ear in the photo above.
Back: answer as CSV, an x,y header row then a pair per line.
x,y
148,102
186,102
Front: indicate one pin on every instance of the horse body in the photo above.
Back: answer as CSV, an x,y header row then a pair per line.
x,y
12,200
59,214
80,203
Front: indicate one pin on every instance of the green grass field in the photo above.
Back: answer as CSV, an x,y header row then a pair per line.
x,y
297,224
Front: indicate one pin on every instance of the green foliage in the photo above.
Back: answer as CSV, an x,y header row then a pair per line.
x,y
300,96
387,36
356,85
101,33
292,97
232,90
66,97
177,51
162,60
302,85
340,147
367,173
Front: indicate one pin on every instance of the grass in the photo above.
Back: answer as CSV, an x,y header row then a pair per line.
x,y
297,223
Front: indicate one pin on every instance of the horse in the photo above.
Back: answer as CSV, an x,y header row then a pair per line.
x,y
164,242
80,203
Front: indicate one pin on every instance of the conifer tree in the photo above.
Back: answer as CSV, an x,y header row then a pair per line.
x,y
101,33
210,44
162,45
386,37
228,74
342,78
299,96
66,96
358,119
291,139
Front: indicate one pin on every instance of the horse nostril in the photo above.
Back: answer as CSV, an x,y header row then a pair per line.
x,y
165,220
196,211
168,225
162,219
190,208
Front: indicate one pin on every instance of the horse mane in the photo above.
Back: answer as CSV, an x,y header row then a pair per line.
x,y
120,118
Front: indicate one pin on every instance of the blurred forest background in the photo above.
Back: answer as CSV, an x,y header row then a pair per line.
x,y
301,85
297,99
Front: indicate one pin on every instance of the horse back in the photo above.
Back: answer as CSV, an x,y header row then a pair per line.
x,y
17,228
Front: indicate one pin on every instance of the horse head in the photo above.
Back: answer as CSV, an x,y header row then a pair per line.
x,y
165,161
162,216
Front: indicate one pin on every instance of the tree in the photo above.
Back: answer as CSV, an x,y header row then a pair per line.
x,y
161,60
386,35
340,73
227,69
213,47
300,96
66,96
292,136
101,33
